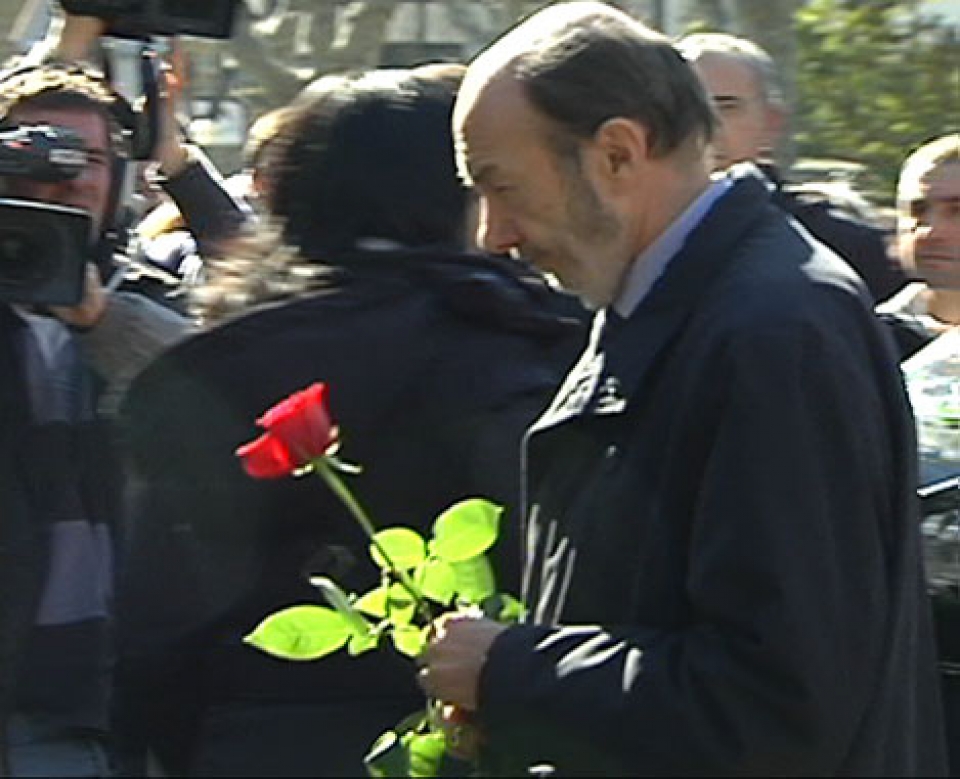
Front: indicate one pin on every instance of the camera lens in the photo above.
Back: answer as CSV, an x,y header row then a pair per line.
x,y
23,261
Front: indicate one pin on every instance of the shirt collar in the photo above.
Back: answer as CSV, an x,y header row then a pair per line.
x,y
652,261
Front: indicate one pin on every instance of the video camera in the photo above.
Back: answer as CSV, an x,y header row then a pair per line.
x,y
143,18
42,246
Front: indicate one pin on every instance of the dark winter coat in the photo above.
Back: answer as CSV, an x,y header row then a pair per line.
x,y
54,477
436,365
723,499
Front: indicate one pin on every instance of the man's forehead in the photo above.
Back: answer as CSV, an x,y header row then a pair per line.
x,y
941,180
726,73
493,105
492,118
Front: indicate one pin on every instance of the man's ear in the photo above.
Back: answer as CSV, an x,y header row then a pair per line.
x,y
620,148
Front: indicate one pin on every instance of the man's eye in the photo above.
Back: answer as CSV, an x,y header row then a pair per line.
x,y
728,105
919,209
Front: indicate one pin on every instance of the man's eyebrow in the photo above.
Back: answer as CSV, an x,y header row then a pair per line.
x,y
481,173
924,201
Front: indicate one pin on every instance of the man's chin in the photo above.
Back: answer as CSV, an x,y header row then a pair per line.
x,y
940,273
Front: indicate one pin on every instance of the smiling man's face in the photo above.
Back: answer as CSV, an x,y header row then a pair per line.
x,y
930,228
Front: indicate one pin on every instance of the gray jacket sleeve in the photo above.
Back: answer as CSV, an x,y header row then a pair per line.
x,y
132,332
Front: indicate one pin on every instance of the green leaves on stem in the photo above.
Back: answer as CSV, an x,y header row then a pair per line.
x,y
450,569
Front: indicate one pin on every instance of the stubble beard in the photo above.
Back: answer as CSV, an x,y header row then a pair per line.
x,y
593,230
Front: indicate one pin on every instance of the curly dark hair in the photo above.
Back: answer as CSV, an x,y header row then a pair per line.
x,y
67,85
360,159
370,155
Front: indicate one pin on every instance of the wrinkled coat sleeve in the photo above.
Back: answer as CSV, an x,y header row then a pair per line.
x,y
790,576
211,213
133,331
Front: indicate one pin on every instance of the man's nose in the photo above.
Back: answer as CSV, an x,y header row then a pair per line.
x,y
496,231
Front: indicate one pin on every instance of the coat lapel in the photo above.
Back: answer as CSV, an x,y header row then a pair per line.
x,y
609,375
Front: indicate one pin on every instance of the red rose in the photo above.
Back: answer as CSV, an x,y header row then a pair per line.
x,y
298,430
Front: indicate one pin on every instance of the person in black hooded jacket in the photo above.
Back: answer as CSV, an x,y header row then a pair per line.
x,y
437,359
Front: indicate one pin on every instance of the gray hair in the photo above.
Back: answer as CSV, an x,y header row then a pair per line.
x,y
584,63
742,50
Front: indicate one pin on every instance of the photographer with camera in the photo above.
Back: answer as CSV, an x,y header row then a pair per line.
x,y
59,495
65,140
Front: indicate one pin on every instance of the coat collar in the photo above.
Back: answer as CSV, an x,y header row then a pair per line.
x,y
614,364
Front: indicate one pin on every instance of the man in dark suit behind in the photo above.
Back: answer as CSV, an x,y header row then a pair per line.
x,y
742,80
722,563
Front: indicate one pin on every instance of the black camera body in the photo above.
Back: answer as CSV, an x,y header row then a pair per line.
x,y
43,247
43,252
41,152
143,18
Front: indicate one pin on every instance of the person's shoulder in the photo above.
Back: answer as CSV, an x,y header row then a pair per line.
x,y
508,293
477,292
829,210
778,277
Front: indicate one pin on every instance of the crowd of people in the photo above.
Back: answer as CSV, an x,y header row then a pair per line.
x,y
567,277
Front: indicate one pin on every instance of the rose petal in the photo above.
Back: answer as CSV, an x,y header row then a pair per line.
x,y
302,422
266,458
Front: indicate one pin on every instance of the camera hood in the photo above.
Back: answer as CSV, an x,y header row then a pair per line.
x,y
43,252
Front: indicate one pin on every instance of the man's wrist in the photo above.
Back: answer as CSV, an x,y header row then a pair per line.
x,y
78,38
175,160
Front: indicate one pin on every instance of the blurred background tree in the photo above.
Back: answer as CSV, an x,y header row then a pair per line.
x,y
875,79
867,80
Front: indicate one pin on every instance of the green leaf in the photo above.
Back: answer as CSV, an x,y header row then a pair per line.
x,y
390,602
414,721
374,602
388,757
400,605
437,580
301,633
425,751
360,629
360,643
465,530
409,639
475,580
405,548
332,593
